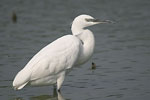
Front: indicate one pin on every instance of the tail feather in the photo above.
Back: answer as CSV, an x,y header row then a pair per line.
x,y
20,87
21,79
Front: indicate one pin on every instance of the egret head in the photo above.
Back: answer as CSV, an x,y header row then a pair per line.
x,y
87,20
83,21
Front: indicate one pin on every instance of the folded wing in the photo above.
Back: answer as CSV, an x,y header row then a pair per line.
x,y
58,56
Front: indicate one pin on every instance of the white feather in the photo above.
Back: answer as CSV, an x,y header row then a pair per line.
x,y
50,64
43,68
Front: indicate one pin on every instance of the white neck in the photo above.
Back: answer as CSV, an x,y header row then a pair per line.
x,y
76,29
87,37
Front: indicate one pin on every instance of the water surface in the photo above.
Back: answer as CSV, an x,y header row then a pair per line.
x,y
122,54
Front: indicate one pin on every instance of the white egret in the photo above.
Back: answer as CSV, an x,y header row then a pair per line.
x,y
50,64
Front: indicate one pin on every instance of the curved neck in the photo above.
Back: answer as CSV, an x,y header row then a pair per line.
x,y
77,28
87,37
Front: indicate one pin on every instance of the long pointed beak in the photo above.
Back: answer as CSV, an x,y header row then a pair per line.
x,y
97,21
105,21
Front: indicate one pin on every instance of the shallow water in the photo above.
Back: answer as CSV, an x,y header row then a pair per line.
x,y
122,54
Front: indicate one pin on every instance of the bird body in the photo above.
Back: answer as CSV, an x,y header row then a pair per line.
x,y
50,64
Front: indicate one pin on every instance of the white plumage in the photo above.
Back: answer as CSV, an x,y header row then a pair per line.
x,y
50,64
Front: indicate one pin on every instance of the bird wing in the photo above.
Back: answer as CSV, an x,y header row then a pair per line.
x,y
52,59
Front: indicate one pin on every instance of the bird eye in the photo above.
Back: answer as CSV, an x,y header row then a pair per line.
x,y
89,20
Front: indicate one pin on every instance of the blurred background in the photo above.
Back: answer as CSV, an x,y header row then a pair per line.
x,y
122,53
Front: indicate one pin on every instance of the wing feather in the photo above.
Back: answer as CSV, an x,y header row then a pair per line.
x,y
52,59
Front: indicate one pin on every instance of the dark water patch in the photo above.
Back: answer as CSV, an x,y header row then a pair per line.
x,y
99,88
126,67
4,86
123,89
130,79
115,95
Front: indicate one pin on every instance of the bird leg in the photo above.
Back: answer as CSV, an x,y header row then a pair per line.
x,y
60,80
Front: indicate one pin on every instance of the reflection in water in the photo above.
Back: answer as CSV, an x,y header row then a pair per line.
x,y
56,96
18,98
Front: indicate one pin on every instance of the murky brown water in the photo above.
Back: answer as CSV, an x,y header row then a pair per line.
x,y
122,54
